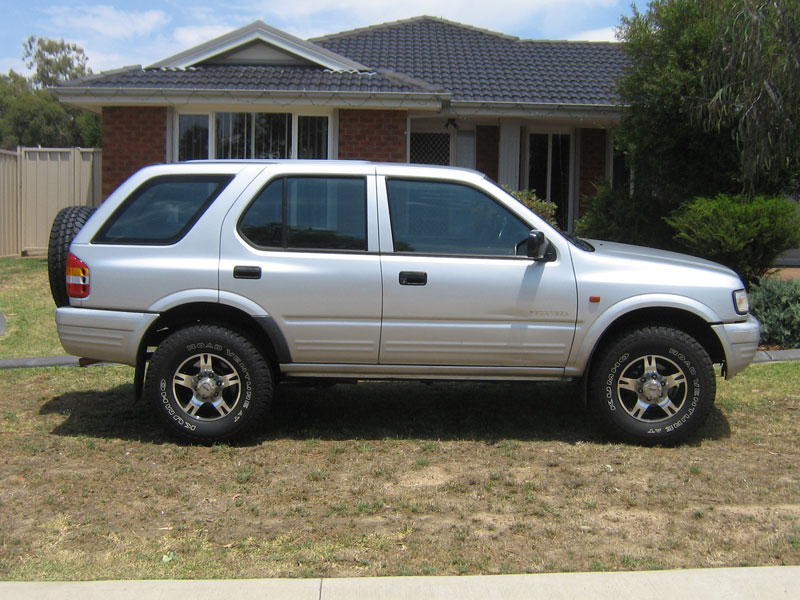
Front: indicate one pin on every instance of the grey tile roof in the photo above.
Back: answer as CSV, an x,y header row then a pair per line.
x,y
425,56
476,65
251,78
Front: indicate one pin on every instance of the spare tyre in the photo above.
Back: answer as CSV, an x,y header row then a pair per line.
x,y
66,225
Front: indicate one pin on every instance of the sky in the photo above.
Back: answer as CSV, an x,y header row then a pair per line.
x,y
120,33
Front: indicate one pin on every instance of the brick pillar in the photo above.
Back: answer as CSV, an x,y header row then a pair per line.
x,y
377,135
133,137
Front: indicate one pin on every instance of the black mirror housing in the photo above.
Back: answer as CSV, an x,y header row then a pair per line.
x,y
537,245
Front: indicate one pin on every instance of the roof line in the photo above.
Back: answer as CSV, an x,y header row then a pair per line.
x,y
258,30
390,24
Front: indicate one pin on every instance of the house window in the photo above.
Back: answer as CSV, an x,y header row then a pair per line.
x,y
312,133
430,148
272,135
192,137
244,135
234,133
549,170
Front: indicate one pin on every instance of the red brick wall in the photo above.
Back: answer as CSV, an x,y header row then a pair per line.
x,y
593,163
487,150
133,137
378,135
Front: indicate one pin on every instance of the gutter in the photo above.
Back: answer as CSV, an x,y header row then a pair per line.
x,y
95,98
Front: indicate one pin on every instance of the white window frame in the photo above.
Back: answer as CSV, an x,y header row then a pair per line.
x,y
210,113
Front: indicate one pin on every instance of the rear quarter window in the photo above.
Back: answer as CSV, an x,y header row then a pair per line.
x,y
162,210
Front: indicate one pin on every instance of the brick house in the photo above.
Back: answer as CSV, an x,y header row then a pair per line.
x,y
529,114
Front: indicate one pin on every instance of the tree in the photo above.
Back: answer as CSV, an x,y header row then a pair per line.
x,y
673,155
31,115
754,83
54,61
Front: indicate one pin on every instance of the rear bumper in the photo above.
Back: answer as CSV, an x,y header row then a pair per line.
x,y
106,335
740,342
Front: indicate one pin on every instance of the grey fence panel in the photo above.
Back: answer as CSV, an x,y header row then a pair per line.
x,y
9,203
48,179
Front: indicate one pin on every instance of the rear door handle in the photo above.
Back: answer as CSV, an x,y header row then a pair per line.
x,y
244,272
413,278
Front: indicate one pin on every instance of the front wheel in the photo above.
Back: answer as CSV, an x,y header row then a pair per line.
x,y
209,384
653,385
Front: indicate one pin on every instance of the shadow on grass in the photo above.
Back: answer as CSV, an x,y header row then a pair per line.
x,y
438,411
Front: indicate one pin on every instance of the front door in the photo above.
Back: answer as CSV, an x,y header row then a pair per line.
x,y
455,291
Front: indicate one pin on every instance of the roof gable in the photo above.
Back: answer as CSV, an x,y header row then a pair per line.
x,y
259,44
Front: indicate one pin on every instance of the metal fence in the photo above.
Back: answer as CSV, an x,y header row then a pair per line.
x,y
35,183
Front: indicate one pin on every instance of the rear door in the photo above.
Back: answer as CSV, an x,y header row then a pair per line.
x,y
303,247
456,292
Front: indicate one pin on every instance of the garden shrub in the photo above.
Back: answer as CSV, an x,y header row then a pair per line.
x,y
543,208
745,234
776,303
617,216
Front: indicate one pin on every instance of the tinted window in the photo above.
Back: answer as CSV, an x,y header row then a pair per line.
x,y
432,217
327,213
162,210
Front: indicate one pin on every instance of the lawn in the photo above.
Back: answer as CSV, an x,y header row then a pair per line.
x,y
388,479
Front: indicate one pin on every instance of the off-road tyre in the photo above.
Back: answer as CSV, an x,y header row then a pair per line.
x,y
66,225
652,385
209,384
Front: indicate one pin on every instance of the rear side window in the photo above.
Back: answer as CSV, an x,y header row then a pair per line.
x,y
162,210
304,213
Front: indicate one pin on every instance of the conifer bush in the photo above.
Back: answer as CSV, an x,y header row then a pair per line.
x,y
743,233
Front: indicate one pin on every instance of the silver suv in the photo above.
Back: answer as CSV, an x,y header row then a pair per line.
x,y
217,280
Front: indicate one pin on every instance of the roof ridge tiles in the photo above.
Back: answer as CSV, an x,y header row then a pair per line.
x,y
420,18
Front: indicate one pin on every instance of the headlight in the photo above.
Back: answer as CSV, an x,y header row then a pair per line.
x,y
740,302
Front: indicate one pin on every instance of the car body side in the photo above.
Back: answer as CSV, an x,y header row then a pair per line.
x,y
454,328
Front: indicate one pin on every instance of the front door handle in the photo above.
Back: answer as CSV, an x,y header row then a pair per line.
x,y
243,272
413,278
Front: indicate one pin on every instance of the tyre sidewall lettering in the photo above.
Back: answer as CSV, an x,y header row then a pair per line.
x,y
684,357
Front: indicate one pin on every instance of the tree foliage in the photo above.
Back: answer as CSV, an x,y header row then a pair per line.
x,y
753,77
673,155
32,116
54,60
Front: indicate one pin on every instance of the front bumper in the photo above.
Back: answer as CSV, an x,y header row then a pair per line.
x,y
740,342
111,336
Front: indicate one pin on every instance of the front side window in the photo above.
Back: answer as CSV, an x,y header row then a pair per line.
x,y
161,210
431,217
296,213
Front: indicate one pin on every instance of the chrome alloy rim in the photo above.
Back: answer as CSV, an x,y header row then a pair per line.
x,y
652,388
207,387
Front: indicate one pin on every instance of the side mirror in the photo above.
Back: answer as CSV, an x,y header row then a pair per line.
x,y
537,245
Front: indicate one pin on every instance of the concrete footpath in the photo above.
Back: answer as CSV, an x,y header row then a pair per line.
x,y
761,583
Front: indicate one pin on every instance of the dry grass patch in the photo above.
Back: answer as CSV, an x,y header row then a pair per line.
x,y
387,479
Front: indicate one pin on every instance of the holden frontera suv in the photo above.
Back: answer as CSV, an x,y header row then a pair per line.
x,y
218,280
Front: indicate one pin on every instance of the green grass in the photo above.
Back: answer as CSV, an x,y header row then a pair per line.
x,y
26,303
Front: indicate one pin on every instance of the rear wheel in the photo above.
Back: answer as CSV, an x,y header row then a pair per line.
x,y
653,385
66,225
209,384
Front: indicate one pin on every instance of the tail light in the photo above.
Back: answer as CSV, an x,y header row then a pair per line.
x,y
77,277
